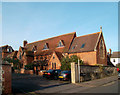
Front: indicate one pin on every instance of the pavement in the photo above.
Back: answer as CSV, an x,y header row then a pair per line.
x,y
98,82
77,87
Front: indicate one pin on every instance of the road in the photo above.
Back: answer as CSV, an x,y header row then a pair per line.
x,y
111,87
36,84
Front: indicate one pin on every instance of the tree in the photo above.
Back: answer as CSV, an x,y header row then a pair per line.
x,y
30,66
16,62
66,62
118,65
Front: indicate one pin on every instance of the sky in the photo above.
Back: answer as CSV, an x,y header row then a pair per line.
x,y
33,21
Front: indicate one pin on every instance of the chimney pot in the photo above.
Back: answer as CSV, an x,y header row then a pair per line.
x,y
100,28
110,51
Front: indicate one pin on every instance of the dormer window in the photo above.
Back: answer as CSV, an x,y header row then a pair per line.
x,y
34,48
83,45
9,50
45,46
60,44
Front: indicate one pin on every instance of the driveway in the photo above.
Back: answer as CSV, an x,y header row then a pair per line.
x,y
23,83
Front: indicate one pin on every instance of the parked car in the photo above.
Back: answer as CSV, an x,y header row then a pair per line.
x,y
41,72
52,74
65,75
118,75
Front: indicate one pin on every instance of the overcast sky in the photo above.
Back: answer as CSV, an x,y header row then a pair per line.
x,y
37,21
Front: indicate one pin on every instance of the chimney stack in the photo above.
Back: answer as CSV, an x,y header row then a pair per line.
x,y
110,51
100,28
24,43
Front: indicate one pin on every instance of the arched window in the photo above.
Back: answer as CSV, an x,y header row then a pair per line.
x,y
101,48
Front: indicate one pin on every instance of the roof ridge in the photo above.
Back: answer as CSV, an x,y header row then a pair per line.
x,y
88,34
4,46
52,37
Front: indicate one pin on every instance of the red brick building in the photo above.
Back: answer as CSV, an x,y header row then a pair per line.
x,y
6,50
46,54
90,48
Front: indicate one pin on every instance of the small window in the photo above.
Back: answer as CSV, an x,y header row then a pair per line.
x,y
73,47
60,44
34,48
8,50
53,57
45,46
113,60
83,45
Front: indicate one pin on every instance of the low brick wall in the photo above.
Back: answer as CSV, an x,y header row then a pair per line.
x,y
16,71
28,71
22,71
95,72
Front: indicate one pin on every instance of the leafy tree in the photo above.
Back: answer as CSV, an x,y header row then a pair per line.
x,y
30,66
66,62
16,62
118,65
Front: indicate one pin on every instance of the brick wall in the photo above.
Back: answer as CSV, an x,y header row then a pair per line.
x,y
5,54
101,60
54,59
89,58
6,83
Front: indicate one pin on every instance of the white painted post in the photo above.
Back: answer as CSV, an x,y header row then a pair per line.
x,y
79,70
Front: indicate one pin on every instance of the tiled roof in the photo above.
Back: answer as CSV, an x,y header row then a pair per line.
x,y
4,46
52,43
13,54
84,43
115,55
59,54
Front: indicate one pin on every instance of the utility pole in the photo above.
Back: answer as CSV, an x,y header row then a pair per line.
x,y
79,70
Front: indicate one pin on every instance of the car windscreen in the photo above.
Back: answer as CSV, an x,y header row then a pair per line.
x,y
50,71
64,72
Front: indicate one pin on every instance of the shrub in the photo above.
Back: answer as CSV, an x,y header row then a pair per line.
x,y
30,66
66,62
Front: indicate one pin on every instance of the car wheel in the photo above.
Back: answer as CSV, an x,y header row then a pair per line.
x,y
55,77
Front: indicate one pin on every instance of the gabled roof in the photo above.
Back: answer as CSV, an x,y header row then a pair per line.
x,y
59,55
116,55
52,42
84,43
3,48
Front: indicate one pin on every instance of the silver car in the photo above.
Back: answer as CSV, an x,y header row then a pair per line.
x,y
118,75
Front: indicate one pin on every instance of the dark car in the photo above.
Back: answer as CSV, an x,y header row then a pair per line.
x,y
52,74
118,75
65,75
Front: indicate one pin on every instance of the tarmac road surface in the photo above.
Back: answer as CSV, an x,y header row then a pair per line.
x,y
33,84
